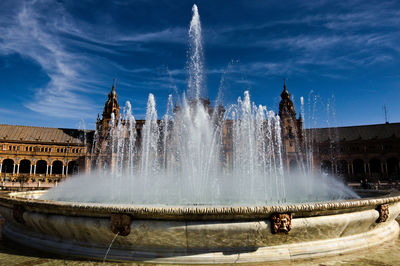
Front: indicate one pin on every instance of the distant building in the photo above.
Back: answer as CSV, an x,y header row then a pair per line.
x,y
355,153
33,154
358,152
40,153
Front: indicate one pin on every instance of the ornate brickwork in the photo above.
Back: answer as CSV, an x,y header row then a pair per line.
x,y
292,131
42,156
110,108
29,155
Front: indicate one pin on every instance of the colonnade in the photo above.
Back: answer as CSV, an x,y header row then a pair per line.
x,y
16,167
386,167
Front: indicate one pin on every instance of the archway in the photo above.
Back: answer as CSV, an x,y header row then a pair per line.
x,y
326,166
24,166
41,167
375,166
57,168
7,166
342,168
358,166
73,168
393,166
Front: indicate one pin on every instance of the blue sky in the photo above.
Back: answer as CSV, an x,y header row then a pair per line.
x,y
58,58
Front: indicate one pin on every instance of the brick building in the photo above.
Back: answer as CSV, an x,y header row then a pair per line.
x,y
34,154
41,154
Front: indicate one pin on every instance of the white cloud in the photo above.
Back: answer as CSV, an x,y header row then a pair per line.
x,y
26,35
51,41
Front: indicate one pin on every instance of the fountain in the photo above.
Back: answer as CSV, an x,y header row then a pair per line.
x,y
205,185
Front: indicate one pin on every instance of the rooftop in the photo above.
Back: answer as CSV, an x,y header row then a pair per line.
x,y
43,134
350,133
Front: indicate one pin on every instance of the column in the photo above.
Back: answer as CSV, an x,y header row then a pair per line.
x,y
17,168
87,165
66,170
14,169
34,169
51,169
365,168
30,170
0,167
62,172
47,169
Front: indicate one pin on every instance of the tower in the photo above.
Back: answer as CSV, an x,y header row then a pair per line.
x,y
111,107
292,131
101,152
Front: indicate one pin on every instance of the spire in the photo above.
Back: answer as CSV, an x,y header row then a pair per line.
x,y
285,94
111,105
286,107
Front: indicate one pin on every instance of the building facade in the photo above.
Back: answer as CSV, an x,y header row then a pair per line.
x,y
33,154
356,153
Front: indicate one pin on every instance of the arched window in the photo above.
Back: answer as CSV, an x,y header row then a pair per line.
x,y
393,166
7,166
24,166
57,167
375,166
73,168
41,167
358,166
342,168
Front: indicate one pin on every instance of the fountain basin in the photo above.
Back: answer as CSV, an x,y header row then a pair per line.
x,y
200,234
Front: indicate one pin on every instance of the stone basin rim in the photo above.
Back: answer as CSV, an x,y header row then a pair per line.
x,y
188,212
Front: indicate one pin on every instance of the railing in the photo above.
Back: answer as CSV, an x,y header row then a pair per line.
x,y
9,181
9,185
4,176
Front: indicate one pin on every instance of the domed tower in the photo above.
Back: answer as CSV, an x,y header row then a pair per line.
x,y
100,150
292,131
111,107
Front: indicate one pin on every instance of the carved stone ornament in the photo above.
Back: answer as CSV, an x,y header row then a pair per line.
x,y
18,213
383,213
120,224
281,222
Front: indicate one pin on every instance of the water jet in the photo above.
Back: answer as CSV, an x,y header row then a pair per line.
x,y
201,185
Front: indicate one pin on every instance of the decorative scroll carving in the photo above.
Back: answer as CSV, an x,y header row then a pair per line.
x,y
120,224
281,222
383,213
18,213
